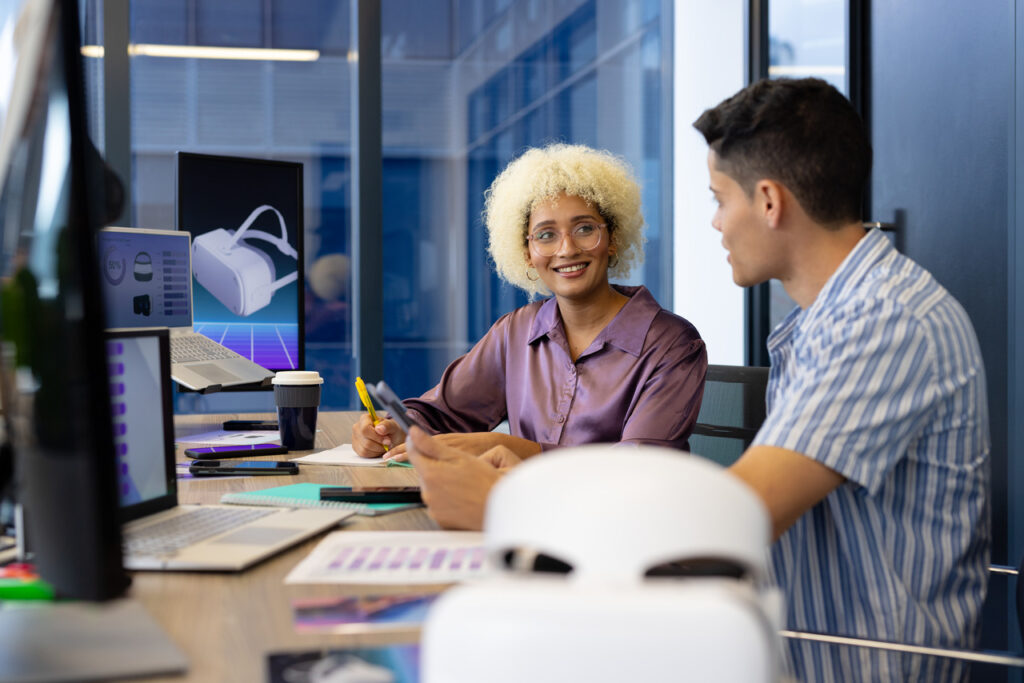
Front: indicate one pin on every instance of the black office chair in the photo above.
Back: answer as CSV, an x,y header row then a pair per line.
x,y
731,413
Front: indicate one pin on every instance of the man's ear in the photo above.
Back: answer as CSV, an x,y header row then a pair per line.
x,y
769,199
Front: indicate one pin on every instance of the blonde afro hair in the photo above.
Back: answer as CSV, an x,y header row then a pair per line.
x,y
598,177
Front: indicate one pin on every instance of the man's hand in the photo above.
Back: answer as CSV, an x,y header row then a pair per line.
x,y
479,443
455,484
501,458
369,440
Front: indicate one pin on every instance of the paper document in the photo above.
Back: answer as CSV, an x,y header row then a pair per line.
x,y
344,455
394,557
226,438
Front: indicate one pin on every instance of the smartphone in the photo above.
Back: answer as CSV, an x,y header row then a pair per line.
x,y
250,425
372,494
207,468
389,401
239,451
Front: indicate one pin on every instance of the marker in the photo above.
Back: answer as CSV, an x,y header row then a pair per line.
x,y
365,398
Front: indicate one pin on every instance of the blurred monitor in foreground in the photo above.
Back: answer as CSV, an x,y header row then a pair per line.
x,y
53,370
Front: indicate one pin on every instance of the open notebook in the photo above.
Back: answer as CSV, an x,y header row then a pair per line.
x,y
307,495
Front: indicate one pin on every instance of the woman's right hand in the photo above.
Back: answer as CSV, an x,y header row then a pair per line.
x,y
369,440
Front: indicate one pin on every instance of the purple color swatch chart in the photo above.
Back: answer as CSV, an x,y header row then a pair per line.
x,y
390,557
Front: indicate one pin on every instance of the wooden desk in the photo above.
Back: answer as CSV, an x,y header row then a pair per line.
x,y
227,623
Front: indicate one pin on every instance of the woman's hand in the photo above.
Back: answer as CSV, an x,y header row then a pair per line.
x,y
369,440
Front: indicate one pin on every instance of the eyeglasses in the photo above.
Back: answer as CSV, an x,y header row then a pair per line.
x,y
547,241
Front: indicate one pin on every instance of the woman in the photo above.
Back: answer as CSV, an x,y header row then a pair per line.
x,y
595,362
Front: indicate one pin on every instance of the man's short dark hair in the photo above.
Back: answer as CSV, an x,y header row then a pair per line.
x,y
802,133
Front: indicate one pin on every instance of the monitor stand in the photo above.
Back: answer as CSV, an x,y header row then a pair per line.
x,y
79,641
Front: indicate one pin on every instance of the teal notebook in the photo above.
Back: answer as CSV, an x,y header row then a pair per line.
x,y
307,495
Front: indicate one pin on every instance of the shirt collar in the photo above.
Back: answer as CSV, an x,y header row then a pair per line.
x,y
627,330
868,252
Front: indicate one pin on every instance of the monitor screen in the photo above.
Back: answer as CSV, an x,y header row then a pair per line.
x,y
140,397
146,279
245,218
53,371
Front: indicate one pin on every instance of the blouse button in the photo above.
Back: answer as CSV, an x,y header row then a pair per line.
x,y
561,419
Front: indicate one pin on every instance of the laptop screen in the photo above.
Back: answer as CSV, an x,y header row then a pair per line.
x,y
146,279
139,366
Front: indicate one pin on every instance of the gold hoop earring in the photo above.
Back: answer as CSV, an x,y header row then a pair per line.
x,y
612,265
532,279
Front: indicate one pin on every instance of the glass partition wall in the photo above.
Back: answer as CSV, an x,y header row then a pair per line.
x,y
466,86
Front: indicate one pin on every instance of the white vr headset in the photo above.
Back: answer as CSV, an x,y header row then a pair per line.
x,y
240,276
614,517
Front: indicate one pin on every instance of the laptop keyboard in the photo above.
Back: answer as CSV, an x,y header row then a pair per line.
x,y
190,527
192,347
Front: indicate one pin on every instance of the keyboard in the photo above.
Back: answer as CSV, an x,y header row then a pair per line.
x,y
190,347
188,528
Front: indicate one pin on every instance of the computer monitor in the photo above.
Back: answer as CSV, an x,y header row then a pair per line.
x,y
53,370
245,217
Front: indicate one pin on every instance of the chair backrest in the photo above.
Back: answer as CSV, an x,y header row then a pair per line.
x,y
731,413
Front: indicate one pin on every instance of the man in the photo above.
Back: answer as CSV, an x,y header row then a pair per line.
x,y
873,460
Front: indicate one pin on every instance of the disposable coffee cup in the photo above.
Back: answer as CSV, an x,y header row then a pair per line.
x,y
297,395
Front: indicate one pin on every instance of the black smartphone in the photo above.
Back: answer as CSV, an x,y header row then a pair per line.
x,y
388,400
207,468
372,494
240,451
250,425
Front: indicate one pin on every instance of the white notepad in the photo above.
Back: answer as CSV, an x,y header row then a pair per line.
x,y
341,455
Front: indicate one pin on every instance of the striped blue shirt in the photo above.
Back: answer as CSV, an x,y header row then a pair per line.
x,y
881,380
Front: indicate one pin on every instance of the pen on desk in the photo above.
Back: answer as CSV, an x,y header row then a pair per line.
x,y
365,398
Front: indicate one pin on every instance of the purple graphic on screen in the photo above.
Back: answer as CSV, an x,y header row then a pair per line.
x,y
118,410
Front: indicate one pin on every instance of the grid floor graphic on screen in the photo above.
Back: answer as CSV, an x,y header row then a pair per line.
x,y
271,345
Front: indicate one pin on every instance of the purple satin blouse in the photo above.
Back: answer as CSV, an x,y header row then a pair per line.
x,y
640,381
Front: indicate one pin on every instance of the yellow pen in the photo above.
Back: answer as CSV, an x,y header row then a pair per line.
x,y
365,398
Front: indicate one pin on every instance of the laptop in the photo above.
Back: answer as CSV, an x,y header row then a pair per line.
x,y
158,532
147,282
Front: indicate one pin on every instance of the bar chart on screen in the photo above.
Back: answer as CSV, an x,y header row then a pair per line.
x,y
389,558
